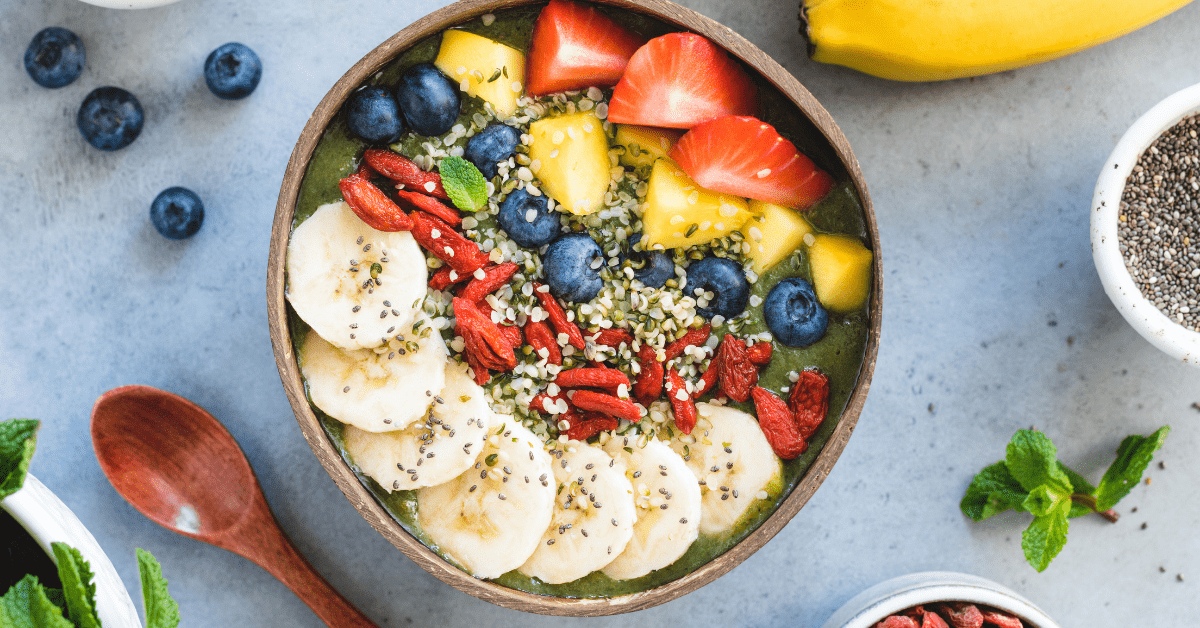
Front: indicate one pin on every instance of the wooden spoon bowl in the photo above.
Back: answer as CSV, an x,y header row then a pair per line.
x,y
831,142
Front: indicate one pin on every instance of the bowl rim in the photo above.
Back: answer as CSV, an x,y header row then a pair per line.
x,y
1162,332
366,504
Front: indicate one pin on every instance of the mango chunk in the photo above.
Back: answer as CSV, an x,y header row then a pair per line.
x,y
773,233
841,271
645,144
570,158
490,70
680,213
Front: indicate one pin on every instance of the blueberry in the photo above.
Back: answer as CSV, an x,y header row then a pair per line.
x,y
374,116
514,219
55,57
110,118
657,266
570,267
232,71
429,100
491,146
177,213
725,279
793,314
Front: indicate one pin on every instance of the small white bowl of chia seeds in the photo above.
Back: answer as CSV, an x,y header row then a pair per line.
x,y
1146,225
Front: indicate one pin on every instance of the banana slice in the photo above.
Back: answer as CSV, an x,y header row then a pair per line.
x,y
431,451
357,287
667,497
593,516
734,462
489,519
376,390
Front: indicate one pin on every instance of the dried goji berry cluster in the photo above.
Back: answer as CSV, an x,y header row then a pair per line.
x,y
950,615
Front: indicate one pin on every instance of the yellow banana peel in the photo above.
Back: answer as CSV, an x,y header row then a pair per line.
x,y
934,40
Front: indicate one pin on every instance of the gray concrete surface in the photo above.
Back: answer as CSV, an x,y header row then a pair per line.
x,y
994,318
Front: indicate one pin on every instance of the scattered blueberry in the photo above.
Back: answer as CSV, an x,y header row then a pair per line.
x,y
725,279
570,267
491,146
374,116
793,314
110,118
232,71
177,213
55,57
657,266
429,100
514,219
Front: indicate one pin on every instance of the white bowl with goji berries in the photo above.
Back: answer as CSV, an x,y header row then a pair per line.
x,y
584,296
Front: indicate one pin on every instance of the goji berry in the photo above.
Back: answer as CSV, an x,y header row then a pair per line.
x,y
999,618
759,353
513,334
587,424
404,170
736,373
494,277
649,382
450,246
592,378
483,339
364,170
480,373
690,338
682,404
607,404
416,200
930,619
371,205
539,402
777,424
897,621
613,337
809,401
444,278
539,336
708,380
962,615
558,318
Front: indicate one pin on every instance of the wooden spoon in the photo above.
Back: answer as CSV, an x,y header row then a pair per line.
x,y
176,464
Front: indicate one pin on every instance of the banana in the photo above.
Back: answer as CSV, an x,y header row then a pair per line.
x,y
928,40
357,287
489,519
593,515
667,496
380,389
431,451
734,462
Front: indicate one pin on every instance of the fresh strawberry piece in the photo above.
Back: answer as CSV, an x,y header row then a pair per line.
x,y
371,205
809,401
540,337
690,338
678,81
585,425
403,170
613,337
558,317
494,277
592,378
649,383
607,404
777,424
682,404
760,353
1000,618
736,373
416,200
450,246
745,156
575,46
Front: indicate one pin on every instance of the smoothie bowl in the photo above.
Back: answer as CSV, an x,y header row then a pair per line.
x,y
578,303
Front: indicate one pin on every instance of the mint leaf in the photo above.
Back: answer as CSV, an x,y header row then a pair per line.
x,y
17,440
992,491
78,588
161,609
464,184
1032,460
1042,500
1046,536
1080,486
1133,456
25,605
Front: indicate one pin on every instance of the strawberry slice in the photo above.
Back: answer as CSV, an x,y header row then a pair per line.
x,y
680,80
745,156
574,46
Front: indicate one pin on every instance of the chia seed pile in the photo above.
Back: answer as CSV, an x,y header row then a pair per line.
x,y
1160,223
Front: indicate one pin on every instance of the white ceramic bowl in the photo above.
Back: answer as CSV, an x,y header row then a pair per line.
x,y
130,4
47,519
871,606
1162,332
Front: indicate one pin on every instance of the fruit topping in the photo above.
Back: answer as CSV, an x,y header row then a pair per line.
x,y
570,158
679,80
542,339
809,401
793,314
492,145
680,213
571,267
649,383
492,279
682,404
483,340
735,373
691,338
373,115
404,171
429,205
232,71
448,245
592,377
778,424
177,213
110,118
528,220
557,317
428,100
725,279
482,68
55,57
656,266
371,205
606,404
575,46
585,425
613,337
644,144
745,156
841,271
773,233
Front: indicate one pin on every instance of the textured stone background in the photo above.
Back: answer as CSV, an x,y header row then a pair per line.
x,y
994,318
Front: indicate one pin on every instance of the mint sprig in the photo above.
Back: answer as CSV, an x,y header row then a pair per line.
x,y
18,437
161,609
78,588
464,184
27,605
1031,479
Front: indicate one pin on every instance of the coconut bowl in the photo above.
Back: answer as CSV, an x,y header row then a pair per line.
x,y
828,147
